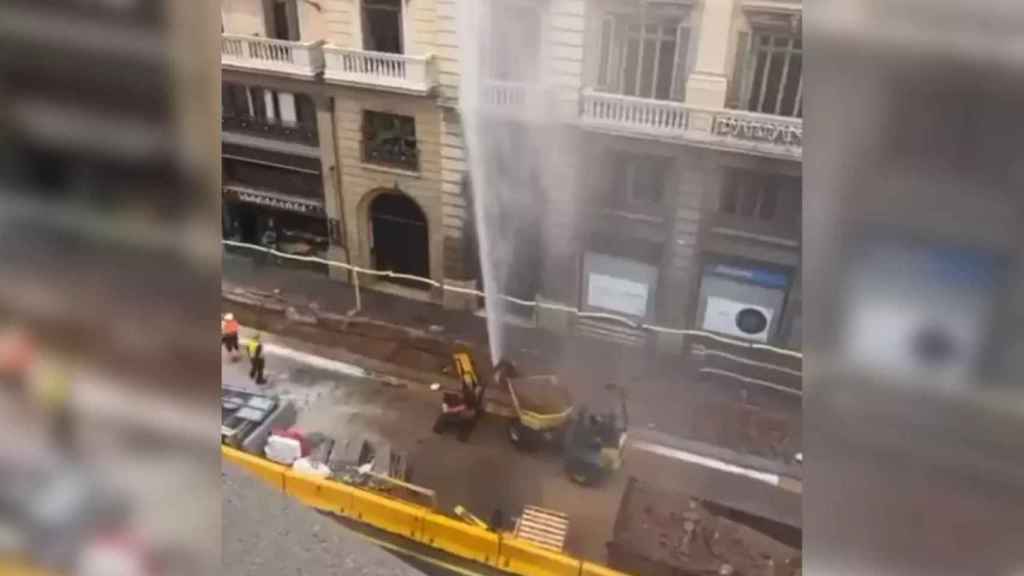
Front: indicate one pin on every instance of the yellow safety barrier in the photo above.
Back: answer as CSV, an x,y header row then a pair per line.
x,y
387,514
320,493
270,472
522,557
591,569
460,539
417,523
15,567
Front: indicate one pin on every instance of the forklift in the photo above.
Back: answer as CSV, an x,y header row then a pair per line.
x,y
594,441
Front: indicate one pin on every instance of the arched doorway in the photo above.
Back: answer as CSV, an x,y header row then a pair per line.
x,y
399,240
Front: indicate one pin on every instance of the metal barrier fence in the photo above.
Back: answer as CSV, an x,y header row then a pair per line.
x,y
417,523
356,271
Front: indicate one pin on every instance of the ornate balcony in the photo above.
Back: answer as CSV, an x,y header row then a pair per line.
x,y
519,100
396,72
302,59
761,134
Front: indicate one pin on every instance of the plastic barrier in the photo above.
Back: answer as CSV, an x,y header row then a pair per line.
x,y
320,493
12,567
460,539
270,472
417,523
387,514
522,557
591,569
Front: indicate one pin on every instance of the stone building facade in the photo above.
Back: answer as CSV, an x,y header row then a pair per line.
x,y
686,115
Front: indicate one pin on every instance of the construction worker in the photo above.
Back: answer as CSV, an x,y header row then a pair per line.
x,y
256,361
229,335
51,390
17,356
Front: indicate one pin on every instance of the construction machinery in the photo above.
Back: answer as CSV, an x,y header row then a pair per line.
x,y
542,407
460,410
595,440
591,441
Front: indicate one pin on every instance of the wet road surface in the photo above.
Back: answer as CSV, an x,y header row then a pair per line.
x,y
483,474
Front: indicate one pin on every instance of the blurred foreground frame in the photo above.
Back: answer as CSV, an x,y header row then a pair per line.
x,y
913,404
109,179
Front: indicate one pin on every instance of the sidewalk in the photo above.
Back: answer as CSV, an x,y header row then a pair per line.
x,y
664,394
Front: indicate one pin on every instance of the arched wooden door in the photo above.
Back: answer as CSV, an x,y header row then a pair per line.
x,y
399,236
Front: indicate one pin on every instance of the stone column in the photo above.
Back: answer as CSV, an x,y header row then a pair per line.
x,y
331,176
706,85
456,196
681,280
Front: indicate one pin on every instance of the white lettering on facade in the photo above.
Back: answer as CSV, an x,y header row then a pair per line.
x,y
759,131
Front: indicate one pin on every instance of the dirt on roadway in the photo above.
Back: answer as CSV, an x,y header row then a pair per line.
x,y
748,420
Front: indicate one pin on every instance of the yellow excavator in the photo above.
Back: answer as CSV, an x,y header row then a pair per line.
x,y
460,410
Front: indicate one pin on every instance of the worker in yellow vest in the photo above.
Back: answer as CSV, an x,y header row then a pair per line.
x,y
256,361
51,392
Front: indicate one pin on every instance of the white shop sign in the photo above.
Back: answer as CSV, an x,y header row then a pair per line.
x,y
617,294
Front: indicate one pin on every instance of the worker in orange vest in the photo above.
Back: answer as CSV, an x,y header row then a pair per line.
x,y
17,356
229,335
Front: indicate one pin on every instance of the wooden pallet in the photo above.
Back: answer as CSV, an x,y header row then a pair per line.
x,y
543,527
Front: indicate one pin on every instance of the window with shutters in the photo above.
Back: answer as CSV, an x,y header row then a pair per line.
x,y
267,105
282,19
758,196
639,180
268,112
382,25
644,54
772,76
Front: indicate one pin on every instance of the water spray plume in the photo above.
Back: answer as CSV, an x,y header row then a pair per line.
x,y
468,20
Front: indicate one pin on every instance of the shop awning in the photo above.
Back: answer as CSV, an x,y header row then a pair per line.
x,y
275,200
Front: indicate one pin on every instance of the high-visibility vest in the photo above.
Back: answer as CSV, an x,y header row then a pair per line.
x,y
229,327
51,385
254,348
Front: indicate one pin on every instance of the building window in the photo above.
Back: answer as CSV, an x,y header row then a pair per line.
x,y
773,78
756,196
390,139
644,55
266,105
382,26
266,112
282,20
640,180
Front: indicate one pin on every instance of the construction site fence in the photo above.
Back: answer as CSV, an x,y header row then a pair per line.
x,y
356,270
417,523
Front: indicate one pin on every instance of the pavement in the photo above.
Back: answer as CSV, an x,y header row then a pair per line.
x,y
267,533
664,395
